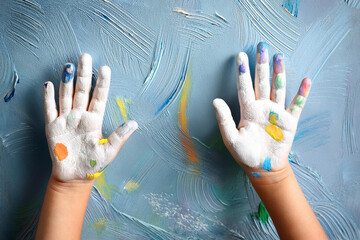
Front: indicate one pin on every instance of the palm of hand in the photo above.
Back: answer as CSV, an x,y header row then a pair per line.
x,y
75,141
266,130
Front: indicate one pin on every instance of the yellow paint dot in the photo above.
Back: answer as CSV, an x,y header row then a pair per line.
x,y
94,175
273,118
131,186
103,141
60,151
274,132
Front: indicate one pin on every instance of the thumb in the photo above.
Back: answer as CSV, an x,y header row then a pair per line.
x,y
225,120
117,139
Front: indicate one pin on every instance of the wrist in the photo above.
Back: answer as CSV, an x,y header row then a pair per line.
x,y
259,177
75,186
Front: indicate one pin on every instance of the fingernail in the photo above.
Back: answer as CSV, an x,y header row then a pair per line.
x,y
278,63
305,86
242,68
262,49
68,73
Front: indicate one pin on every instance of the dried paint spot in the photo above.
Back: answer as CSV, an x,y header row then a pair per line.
x,y
275,132
262,214
242,68
68,73
279,83
267,164
255,174
60,151
262,49
131,186
278,63
100,226
103,141
93,163
300,100
94,175
305,87
11,93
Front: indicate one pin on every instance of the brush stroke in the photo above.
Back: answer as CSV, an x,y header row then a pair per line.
x,y
188,147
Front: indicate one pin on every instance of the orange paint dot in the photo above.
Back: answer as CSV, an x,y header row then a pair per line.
x,y
61,151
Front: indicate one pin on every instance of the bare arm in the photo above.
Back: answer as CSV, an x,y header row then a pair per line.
x,y
63,210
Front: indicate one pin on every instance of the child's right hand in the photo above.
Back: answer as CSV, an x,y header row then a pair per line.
x,y
263,139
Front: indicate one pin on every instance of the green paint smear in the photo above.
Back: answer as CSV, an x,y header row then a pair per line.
x,y
262,214
300,101
93,163
279,83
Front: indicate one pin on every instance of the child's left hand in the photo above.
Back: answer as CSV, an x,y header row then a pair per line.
x,y
74,135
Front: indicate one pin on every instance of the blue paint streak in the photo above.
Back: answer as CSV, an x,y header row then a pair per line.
x,y
256,174
267,164
11,94
262,47
292,6
8,96
177,88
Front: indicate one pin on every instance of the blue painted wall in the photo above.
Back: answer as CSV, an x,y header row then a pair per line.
x,y
152,190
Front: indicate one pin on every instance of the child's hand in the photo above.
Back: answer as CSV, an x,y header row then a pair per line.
x,y
74,135
263,139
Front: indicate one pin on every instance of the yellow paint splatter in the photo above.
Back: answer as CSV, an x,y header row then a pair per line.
x,y
272,129
131,186
94,175
100,226
106,189
103,141
123,106
183,121
274,132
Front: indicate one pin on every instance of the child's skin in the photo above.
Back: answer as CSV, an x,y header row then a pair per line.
x,y
260,145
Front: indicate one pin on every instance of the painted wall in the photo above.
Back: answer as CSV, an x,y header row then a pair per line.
x,y
174,178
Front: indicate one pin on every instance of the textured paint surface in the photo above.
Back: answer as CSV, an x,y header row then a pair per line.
x,y
149,48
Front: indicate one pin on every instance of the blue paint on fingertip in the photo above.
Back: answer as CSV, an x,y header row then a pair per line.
x,y
262,47
242,68
68,73
267,164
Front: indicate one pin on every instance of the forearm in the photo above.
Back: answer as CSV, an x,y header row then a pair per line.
x,y
63,210
288,207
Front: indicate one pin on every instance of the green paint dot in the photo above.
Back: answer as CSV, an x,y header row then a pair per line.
x,y
300,100
93,163
293,108
279,83
262,214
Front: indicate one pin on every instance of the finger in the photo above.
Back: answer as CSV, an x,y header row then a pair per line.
x,y
244,84
278,88
50,110
262,85
298,103
66,88
225,120
117,139
83,82
98,101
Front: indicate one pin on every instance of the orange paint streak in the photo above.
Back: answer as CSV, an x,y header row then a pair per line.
x,y
183,121
61,151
